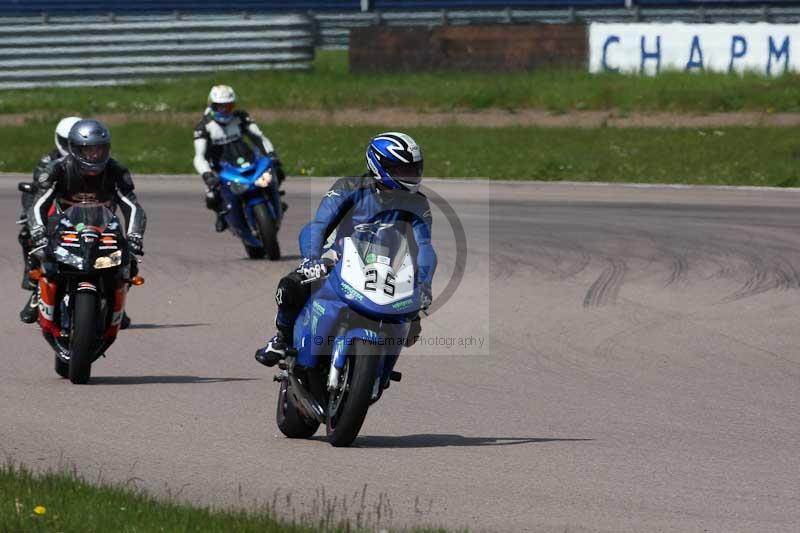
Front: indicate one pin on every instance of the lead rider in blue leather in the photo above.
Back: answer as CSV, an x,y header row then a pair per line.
x,y
388,193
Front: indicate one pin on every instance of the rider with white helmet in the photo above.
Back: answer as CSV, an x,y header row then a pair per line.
x,y
29,312
87,173
222,124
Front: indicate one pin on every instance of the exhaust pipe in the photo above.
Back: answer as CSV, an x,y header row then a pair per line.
x,y
306,403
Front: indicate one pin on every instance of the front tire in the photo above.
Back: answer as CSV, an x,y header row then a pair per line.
x,y
268,232
83,340
291,423
347,408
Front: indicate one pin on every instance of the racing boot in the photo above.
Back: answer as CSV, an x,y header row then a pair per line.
x,y
274,351
125,323
30,313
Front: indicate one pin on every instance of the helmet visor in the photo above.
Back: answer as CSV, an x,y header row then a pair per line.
x,y
97,153
222,109
409,172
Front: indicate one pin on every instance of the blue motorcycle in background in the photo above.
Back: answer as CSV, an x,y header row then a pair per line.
x,y
349,335
251,198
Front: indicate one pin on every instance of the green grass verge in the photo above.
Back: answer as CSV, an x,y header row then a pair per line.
x,y
63,502
331,86
733,156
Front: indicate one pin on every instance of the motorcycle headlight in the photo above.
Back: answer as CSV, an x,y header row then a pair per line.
x,y
265,179
108,261
239,187
65,256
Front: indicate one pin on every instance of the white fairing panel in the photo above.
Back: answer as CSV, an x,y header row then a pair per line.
x,y
376,280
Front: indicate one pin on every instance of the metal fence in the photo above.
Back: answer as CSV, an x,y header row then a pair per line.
x,y
81,51
82,7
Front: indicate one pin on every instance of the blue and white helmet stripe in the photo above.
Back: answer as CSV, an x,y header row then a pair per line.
x,y
394,149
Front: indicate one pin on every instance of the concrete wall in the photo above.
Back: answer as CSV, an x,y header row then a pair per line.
x,y
491,48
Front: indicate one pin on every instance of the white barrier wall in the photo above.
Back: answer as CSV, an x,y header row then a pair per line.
x,y
769,49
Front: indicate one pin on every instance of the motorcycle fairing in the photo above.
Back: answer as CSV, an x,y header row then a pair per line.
x,y
326,327
241,194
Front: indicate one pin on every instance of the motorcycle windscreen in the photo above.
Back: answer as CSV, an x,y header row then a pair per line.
x,y
239,154
377,266
89,215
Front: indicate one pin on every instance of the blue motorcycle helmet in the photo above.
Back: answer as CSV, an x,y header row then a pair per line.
x,y
395,160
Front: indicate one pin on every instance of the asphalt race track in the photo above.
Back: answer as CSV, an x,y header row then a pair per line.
x,y
614,359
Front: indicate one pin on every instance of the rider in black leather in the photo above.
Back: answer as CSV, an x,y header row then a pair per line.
x,y
29,312
87,173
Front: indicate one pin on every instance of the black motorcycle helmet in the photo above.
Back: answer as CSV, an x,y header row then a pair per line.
x,y
90,145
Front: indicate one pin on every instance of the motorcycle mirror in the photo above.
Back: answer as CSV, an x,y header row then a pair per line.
x,y
24,186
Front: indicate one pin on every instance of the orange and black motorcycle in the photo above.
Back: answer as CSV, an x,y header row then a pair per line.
x,y
85,273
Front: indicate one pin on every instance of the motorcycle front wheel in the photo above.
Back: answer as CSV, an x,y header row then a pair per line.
x,y
348,404
268,232
84,337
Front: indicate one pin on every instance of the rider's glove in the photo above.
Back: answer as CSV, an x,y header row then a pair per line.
x,y
313,268
211,179
38,237
135,244
425,297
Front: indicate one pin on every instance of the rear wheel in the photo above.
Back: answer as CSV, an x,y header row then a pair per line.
x,y
62,368
83,340
254,252
290,421
347,406
268,231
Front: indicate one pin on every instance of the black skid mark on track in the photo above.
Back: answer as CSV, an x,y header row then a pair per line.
x,y
562,259
606,287
776,273
501,266
578,256
679,264
769,269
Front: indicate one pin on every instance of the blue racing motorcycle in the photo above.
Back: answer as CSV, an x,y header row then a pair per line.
x,y
251,199
349,335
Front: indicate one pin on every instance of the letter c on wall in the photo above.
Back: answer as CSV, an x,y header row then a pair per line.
x,y
611,40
